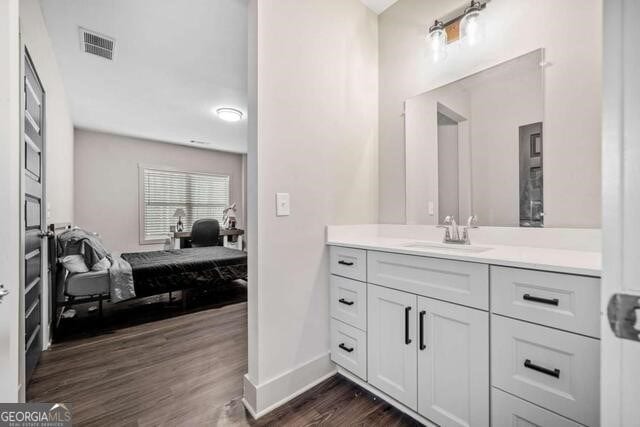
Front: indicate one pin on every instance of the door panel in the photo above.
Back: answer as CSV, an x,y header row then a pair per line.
x,y
392,344
34,121
453,363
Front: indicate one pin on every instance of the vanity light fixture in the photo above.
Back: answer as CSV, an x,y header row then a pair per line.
x,y
471,24
437,41
229,114
464,23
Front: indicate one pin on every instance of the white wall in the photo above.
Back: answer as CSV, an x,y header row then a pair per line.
x,y
59,127
106,187
313,134
571,37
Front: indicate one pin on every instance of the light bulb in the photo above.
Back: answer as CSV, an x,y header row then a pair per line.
x,y
471,28
437,41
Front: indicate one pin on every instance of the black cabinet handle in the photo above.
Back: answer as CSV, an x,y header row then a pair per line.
x,y
407,340
345,302
552,372
422,345
347,263
550,301
345,348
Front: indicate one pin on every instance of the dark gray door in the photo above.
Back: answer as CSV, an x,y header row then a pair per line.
x,y
34,123
531,176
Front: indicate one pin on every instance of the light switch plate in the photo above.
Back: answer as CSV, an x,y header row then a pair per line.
x,y
430,208
283,205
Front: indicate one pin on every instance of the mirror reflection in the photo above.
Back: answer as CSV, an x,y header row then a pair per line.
x,y
476,147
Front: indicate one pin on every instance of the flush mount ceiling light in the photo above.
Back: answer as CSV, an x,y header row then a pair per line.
x,y
229,114
437,41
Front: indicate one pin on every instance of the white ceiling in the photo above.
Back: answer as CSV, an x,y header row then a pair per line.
x,y
174,63
378,6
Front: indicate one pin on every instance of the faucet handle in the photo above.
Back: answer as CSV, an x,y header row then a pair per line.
x,y
446,223
472,222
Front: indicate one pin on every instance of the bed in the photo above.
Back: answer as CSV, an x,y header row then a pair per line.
x,y
164,271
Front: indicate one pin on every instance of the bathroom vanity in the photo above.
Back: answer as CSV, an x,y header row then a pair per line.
x,y
505,330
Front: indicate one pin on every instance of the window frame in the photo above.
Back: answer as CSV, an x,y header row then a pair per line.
x,y
141,193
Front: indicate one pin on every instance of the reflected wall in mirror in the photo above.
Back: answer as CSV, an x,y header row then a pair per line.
x,y
475,147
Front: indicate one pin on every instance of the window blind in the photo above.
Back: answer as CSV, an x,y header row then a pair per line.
x,y
200,195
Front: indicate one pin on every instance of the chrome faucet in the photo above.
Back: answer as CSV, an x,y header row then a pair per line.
x,y
452,232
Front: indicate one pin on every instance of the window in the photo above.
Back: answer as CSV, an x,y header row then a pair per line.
x,y
163,191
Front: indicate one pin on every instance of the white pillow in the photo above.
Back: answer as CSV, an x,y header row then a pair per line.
x,y
102,265
74,264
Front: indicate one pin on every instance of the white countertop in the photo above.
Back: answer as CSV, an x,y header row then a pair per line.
x,y
563,260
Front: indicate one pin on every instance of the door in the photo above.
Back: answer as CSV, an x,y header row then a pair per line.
x,y
9,202
453,363
531,176
620,369
34,122
391,347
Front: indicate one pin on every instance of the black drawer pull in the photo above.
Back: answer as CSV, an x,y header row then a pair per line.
x,y
407,340
549,301
554,373
345,302
422,344
345,348
347,263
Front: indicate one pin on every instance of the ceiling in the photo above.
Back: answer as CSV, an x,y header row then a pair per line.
x,y
378,6
172,66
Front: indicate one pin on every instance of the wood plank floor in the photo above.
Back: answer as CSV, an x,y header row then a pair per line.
x,y
185,371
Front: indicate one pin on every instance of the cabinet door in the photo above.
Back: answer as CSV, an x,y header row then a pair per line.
x,y
453,363
392,343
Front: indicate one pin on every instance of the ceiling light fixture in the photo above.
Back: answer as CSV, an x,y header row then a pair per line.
x,y
437,41
229,114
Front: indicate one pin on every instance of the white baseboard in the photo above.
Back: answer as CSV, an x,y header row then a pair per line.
x,y
399,406
263,398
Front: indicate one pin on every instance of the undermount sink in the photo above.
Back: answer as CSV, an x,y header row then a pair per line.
x,y
446,247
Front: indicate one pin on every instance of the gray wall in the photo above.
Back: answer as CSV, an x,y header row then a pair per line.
x,y
106,181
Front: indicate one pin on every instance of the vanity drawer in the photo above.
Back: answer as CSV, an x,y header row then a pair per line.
x,y
349,301
348,262
349,348
557,370
510,411
461,282
562,301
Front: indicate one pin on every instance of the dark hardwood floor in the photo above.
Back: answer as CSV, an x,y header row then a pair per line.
x,y
185,371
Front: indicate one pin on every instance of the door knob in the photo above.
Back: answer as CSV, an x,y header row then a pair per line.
x,y
3,293
45,233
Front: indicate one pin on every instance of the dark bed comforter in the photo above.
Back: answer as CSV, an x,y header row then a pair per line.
x,y
171,270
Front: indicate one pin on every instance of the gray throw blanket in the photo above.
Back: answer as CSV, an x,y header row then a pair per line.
x,y
80,242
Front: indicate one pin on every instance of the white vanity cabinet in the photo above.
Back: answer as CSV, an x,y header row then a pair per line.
x,y
392,355
453,360
437,337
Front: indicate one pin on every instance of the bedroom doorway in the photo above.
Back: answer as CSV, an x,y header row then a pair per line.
x,y
146,204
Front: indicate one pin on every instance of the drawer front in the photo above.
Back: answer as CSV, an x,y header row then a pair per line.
x,y
460,282
349,348
557,370
509,411
347,262
349,301
562,301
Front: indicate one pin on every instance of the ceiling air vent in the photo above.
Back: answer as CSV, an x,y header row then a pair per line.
x,y
96,44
